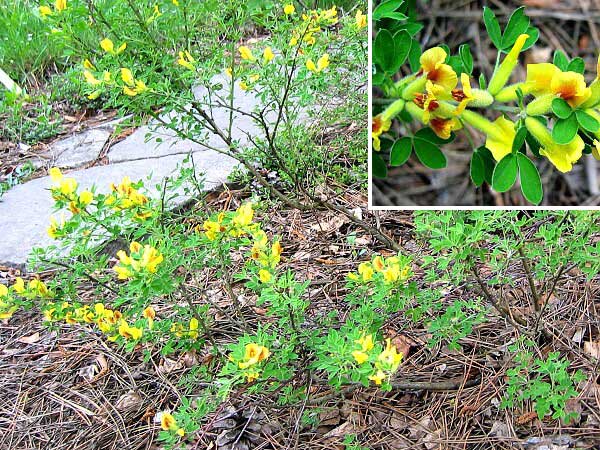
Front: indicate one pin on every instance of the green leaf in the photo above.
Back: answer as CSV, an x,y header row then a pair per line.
x,y
428,134
519,139
386,8
384,50
414,55
378,76
534,35
402,44
412,27
560,60
466,57
587,122
482,82
517,25
564,130
533,145
492,26
477,169
378,166
429,154
531,183
489,163
505,173
561,108
577,65
401,151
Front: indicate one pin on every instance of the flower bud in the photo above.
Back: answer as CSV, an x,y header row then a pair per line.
x,y
503,72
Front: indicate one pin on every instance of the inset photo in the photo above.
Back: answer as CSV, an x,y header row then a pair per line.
x,y
482,104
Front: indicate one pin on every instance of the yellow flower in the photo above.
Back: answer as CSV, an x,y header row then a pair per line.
x,y
562,156
175,2
293,42
90,78
60,5
539,78
378,263
504,70
54,228
466,95
289,9
378,377
55,174
3,290
107,45
127,76
500,143
251,375
246,53
264,276
379,126
360,19
19,285
85,198
68,186
180,431
186,60
229,72
88,64
129,332
38,286
366,271
570,86
167,421
360,356
440,74
149,312
390,358
444,127
268,54
194,328
244,215
366,342
253,354
45,11
243,86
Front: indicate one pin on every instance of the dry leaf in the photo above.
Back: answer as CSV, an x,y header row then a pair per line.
x,y
331,224
32,339
592,349
343,430
129,401
168,365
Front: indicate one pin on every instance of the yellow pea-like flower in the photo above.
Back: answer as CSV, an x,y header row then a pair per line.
x,y
289,9
246,53
268,54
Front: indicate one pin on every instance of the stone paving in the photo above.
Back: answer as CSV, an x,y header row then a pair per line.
x,y
25,209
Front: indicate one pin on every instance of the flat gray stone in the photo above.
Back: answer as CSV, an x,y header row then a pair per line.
x,y
79,149
143,144
25,210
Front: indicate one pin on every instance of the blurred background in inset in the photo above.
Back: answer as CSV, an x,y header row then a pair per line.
x,y
570,25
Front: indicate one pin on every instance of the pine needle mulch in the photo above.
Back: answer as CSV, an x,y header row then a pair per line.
x,y
68,388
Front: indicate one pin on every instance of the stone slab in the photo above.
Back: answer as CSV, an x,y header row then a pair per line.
x,y
25,210
79,149
142,143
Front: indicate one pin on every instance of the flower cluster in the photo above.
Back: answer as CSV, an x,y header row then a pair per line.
x,y
168,423
142,259
224,225
59,6
9,295
384,363
191,331
111,322
267,256
253,354
431,96
391,270
125,196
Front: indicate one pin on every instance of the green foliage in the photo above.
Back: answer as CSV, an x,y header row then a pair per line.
x,y
547,383
16,177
